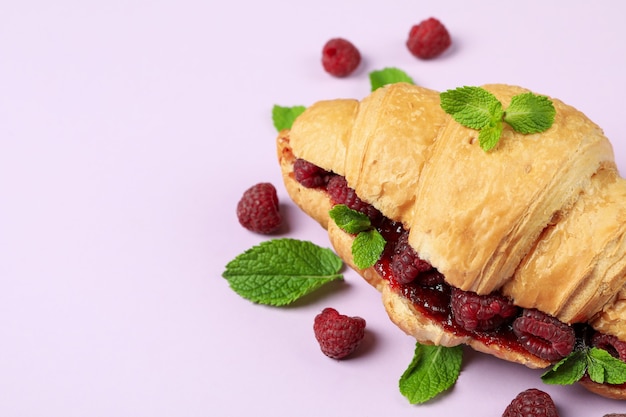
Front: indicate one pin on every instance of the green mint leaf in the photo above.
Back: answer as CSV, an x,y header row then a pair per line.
x,y
433,370
567,371
367,248
489,136
530,113
283,117
348,220
473,107
604,368
389,75
280,271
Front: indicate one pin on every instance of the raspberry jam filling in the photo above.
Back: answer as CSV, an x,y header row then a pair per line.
x,y
492,318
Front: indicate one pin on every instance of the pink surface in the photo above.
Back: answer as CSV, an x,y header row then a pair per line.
x,y
128,131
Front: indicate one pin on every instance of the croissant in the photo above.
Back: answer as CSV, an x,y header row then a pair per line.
x,y
519,252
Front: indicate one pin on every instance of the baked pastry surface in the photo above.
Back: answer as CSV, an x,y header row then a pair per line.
x,y
540,219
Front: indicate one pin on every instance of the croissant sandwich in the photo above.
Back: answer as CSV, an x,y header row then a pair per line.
x,y
519,252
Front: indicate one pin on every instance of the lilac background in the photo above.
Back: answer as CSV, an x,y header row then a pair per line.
x,y
128,131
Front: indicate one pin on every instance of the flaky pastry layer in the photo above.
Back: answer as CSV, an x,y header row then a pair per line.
x,y
541,218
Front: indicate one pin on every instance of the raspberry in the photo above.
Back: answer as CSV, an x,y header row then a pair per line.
x,y
258,209
428,39
338,335
531,403
611,344
340,57
481,312
310,175
340,193
406,265
544,335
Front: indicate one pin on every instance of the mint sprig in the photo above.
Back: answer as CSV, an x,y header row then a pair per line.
x,y
477,108
389,75
367,248
283,117
529,113
280,271
597,363
368,244
433,370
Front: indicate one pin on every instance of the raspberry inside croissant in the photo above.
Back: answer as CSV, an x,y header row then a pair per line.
x,y
519,252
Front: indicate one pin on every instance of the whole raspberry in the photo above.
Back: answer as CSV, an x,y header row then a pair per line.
x,y
258,209
406,265
340,57
481,312
428,39
338,335
340,193
544,335
531,403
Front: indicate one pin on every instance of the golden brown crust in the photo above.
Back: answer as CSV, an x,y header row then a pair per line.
x,y
399,150
317,204
605,390
500,201
542,218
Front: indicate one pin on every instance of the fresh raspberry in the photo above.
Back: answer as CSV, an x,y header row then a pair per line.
x,y
544,335
338,335
481,312
310,175
340,193
340,57
406,265
611,344
531,403
428,39
258,209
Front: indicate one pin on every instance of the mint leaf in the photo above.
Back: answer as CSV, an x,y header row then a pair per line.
x,y
283,117
348,220
568,370
368,244
433,370
489,136
389,75
597,363
473,107
280,271
367,248
604,368
530,113
477,108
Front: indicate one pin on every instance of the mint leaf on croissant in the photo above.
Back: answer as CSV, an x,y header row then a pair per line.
x,y
348,220
568,370
530,113
597,363
477,108
604,368
367,248
473,107
368,244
